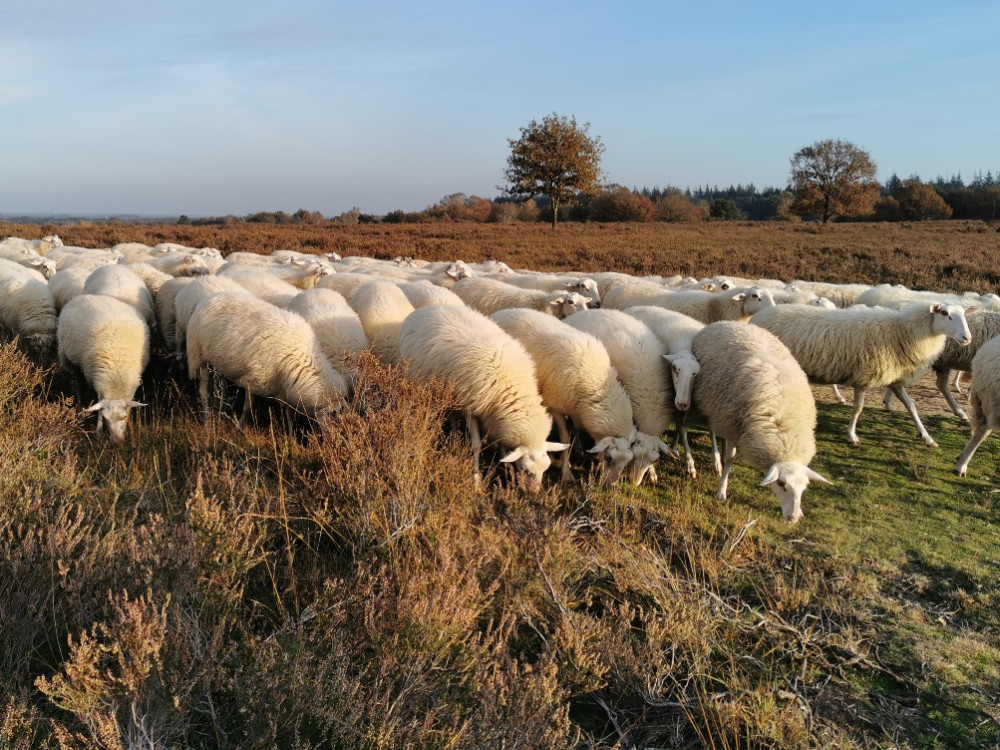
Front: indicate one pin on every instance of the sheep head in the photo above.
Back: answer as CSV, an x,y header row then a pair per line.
x,y
788,480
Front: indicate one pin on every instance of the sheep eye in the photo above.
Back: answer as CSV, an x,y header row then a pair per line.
x,y
782,483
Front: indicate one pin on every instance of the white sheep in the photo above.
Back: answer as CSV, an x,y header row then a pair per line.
x,y
336,325
756,397
67,284
123,284
28,310
12,267
735,304
187,299
637,355
632,293
842,295
867,347
487,296
264,350
263,284
984,399
14,246
166,310
423,293
895,297
382,307
106,341
492,379
151,276
347,283
676,331
576,379
983,326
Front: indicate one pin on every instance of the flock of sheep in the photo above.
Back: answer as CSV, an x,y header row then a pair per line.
x,y
620,358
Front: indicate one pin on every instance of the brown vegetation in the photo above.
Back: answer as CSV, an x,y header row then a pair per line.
x,y
206,585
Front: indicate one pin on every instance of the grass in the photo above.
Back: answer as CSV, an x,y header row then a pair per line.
x,y
207,585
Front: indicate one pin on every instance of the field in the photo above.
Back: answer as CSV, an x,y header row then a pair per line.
x,y
208,585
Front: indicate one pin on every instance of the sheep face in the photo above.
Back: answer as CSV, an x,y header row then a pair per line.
x,y
615,453
588,288
788,480
683,369
533,462
566,304
950,320
822,302
757,298
646,450
113,413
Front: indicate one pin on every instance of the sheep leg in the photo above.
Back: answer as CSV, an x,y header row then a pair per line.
x,y
247,407
980,433
887,399
564,436
903,396
682,436
203,390
716,458
942,384
838,395
727,466
477,443
958,380
852,426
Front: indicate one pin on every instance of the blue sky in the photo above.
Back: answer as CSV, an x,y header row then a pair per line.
x,y
222,107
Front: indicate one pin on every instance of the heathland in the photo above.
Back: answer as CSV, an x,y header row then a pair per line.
x,y
209,585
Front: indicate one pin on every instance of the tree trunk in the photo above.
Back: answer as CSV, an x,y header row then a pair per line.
x,y
555,212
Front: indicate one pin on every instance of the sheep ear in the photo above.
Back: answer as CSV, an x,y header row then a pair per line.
x,y
558,300
772,475
602,445
816,477
708,287
556,447
970,310
740,296
666,450
935,308
453,273
514,455
133,404
670,357
95,407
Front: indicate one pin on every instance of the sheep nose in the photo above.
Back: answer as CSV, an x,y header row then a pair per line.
x,y
682,405
966,340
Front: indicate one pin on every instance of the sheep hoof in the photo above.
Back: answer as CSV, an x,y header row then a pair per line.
x,y
929,442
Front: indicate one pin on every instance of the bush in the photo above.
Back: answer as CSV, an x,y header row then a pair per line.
x,y
621,204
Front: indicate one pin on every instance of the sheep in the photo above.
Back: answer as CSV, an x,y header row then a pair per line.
x,y
867,347
107,342
264,285
14,268
166,310
265,350
895,297
637,355
423,293
489,295
85,257
67,284
756,397
675,330
336,325
492,377
301,274
623,294
123,284
382,306
347,283
842,295
576,379
736,304
984,398
151,276
187,299
983,326
28,310
18,246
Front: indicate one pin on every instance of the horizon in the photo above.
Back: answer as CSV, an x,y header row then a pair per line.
x,y
234,109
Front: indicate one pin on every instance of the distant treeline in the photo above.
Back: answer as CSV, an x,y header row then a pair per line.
x,y
909,199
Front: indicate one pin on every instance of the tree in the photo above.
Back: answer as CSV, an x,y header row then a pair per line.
x,y
725,210
554,158
919,200
833,178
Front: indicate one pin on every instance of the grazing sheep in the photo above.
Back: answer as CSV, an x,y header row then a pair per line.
x,y
171,263
676,331
984,398
896,297
576,379
188,298
85,257
637,355
708,307
983,326
382,307
18,246
165,300
423,293
490,295
107,342
123,284
867,347
336,325
347,283
624,294
842,295
67,284
28,310
263,284
265,350
492,377
151,276
757,398
16,268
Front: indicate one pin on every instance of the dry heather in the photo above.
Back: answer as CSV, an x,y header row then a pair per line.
x,y
207,585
